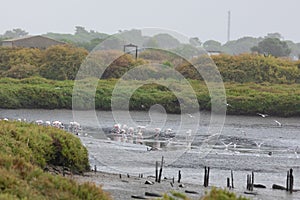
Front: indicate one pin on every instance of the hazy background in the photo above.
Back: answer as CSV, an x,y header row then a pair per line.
x,y
194,18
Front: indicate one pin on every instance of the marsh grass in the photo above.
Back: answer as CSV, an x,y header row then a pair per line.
x,y
246,98
26,149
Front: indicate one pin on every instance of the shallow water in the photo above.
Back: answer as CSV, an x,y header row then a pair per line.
x,y
190,158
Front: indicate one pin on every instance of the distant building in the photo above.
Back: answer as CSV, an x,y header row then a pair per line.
x,y
213,53
37,41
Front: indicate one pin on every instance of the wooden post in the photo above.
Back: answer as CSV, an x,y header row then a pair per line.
x,y
232,186
291,187
208,169
179,176
247,185
156,171
287,180
252,181
228,182
95,168
205,174
161,168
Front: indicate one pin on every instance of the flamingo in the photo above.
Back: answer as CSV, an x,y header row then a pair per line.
x,y
130,131
123,134
57,124
48,123
116,129
157,132
75,126
39,122
139,137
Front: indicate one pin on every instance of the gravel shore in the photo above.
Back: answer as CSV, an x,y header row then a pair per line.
x,y
126,187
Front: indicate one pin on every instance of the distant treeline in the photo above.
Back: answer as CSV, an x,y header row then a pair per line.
x,y
90,39
62,63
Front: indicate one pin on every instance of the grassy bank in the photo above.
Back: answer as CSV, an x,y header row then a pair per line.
x,y
27,149
246,98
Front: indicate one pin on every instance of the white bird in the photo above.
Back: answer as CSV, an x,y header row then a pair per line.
x,y
169,131
190,115
74,124
296,152
226,145
259,144
189,137
39,122
48,123
263,115
228,105
278,123
243,132
189,133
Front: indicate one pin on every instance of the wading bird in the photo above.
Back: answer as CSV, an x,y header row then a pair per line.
x,y
278,123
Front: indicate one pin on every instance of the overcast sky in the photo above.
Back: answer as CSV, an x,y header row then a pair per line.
x,y
194,18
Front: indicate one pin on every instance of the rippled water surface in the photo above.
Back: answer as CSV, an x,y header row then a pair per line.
x,y
277,152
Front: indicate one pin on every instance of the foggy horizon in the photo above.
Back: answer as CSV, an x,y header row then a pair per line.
x,y
206,20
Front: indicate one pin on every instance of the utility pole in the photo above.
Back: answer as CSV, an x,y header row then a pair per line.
x,y
228,27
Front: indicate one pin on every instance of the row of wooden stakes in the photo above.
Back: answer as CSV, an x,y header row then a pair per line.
x,y
230,182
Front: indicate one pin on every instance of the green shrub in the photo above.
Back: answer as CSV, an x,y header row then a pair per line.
x,y
220,194
26,149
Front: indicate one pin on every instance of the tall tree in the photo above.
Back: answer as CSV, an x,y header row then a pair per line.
x,y
212,45
80,30
274,35
272,46
15,33
195,41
